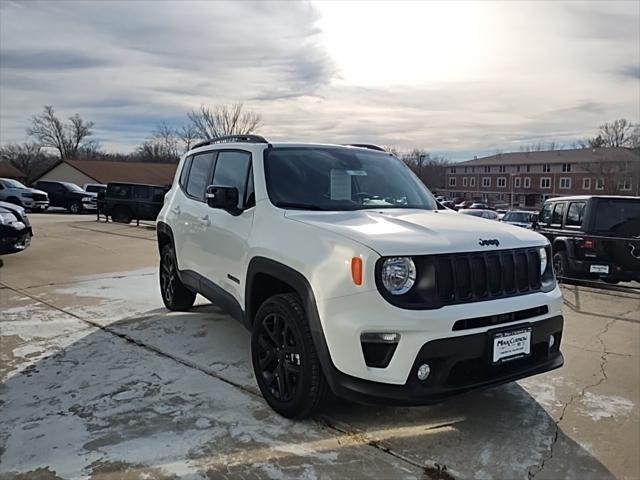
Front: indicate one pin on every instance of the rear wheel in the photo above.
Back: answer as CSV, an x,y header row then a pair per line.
x,y
75,208
175,295
285,361
121,215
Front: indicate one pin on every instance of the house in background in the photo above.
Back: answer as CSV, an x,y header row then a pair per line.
x,y
527,179
81,172
9,171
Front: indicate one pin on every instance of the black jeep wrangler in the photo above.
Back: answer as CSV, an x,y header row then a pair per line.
x,y
593,236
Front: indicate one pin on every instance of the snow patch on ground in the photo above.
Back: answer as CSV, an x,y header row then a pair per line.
x,y
599,407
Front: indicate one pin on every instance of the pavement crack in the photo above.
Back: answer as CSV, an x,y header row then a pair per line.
x,y
535,470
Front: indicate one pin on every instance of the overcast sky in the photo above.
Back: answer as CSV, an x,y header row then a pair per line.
x,y
455,78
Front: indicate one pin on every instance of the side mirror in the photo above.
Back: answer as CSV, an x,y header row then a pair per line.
x,y
225,198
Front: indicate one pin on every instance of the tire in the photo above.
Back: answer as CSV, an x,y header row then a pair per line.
x,y
285,361
561,265
175,295
75,208
121,214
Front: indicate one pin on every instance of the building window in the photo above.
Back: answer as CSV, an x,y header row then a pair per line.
x,y
545,182
465,169
516,182
502,182
473,169
599,184
472,182
527,182
546,168
452,181
487,169
566,167
453,169
502,168
586,184
464,181
624,184
565,182
518,168
486,181
528,168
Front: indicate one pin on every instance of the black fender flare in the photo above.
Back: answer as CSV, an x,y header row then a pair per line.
x,y
567,244
164,229
302,287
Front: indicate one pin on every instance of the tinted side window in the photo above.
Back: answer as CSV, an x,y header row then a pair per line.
x,y
142,192
575,213
545,215
556,219
119,191
157,194
231,171
185,172
199,175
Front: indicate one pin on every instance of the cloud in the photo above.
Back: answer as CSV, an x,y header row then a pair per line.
x,y
520,72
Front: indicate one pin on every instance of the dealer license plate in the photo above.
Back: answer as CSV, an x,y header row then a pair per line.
x,y
599,268
511,345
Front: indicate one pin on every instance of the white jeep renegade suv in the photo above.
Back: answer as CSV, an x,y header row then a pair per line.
x,y
351,277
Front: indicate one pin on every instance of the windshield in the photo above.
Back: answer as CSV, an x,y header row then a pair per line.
x,y
334,178
521,217
614,214
10,183
72,187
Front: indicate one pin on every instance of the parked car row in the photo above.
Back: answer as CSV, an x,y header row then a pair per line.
x,y
15,229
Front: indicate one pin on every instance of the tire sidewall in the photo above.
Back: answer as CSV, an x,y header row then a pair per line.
x,y
299,402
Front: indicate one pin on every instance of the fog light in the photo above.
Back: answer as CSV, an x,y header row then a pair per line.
x,y
380,337
552,341
423,372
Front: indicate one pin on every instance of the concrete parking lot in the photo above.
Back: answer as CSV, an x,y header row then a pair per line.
x,y
100,381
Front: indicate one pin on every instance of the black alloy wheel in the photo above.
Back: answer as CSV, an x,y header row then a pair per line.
x,y
175,295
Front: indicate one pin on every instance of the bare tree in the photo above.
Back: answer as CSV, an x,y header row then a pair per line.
x,y
161,147
430,169
27,157
224,120
619,133
187,135
50,132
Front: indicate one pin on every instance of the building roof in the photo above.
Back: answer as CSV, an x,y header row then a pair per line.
x,y
133,172
579,155
9,171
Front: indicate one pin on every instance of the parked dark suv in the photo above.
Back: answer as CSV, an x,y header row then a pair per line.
x,y
124,202
593,236
67,195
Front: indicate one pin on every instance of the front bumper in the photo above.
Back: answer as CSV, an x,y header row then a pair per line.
x,y
458,364
13,241
92,206
35,204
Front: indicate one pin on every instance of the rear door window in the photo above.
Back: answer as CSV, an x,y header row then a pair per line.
x,y
199,175
618,216
575,214
119,191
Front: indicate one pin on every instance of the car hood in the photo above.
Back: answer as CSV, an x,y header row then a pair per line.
x,y
35,190
419,232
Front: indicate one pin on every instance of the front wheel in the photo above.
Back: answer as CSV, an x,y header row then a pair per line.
x,y
75,208
175,295
285,361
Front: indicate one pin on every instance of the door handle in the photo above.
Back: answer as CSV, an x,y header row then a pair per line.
x,y
206,220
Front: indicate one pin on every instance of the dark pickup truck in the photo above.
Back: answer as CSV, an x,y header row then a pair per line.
x,y
67,195
593,236
124,202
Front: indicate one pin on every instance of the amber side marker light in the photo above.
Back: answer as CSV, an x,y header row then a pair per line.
x,y
356,270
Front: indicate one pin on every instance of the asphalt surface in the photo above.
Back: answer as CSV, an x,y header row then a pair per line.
x,y
100,381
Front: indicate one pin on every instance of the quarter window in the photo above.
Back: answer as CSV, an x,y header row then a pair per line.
x,y
574,214
231,171
185,172
199,175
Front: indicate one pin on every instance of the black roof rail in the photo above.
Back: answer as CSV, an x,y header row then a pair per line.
x,y
366,145
232,138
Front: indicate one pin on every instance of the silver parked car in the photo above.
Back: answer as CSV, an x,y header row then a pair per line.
x,y
521,218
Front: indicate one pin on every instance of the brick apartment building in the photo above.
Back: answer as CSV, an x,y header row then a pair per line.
x,y
526,179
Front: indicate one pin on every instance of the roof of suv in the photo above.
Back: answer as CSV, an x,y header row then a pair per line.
x,y
587,197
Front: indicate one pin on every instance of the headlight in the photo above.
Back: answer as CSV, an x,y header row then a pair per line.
x,y
27,194
87,199
398,275
542,253
7,218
